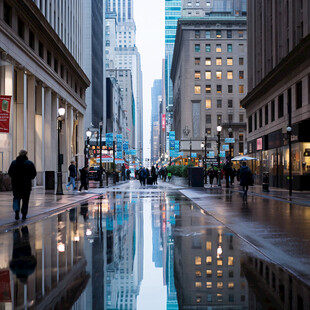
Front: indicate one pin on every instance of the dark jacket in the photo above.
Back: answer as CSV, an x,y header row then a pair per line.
x,y
22,171
245,176
83,175
72,171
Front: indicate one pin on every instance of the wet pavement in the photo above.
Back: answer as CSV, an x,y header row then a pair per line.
x,y
153,248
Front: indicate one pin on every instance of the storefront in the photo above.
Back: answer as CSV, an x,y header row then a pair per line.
x,y
272,153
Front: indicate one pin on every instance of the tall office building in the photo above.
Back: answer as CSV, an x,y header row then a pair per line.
x,y
126,56
209,75
279,91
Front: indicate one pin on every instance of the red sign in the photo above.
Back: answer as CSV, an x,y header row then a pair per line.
x,y
5,287
5,106
163,121
259,144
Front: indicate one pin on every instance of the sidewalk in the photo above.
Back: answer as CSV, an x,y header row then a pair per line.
x,y
300,198
44,202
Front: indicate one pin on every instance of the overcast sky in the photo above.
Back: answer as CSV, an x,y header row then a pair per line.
x,y
150,22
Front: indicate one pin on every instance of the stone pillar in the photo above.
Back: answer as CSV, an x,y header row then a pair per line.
x,y
39,133
48,150
31,117
54,132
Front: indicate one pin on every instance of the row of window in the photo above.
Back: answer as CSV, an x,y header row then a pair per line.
x,y
209,273
230,260
197,89
39,48
218,61
210,34
219,298
219,119
219,285
261,117
218,48
218,74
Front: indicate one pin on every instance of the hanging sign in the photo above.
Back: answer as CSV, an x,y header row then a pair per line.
x,y
5,107
109,139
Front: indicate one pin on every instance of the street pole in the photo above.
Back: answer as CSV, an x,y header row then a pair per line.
x,y
205,160
59,173
101,169
190,149
219,129
114,176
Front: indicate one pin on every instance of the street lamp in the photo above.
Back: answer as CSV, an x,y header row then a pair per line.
x,y
219,129
204,145
190,149
86,151
61,113
230,134
289,132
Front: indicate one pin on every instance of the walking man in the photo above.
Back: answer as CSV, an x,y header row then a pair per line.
x,y
22,171
84,178
246,179
72,175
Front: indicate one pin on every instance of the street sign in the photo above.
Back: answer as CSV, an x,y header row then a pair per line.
x,y
194,155
222,154
229,140
225,147
210,154
212,161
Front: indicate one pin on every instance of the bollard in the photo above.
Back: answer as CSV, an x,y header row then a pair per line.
x,y
265,181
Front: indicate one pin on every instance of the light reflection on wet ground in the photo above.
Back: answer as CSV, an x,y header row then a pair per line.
x,y
144,250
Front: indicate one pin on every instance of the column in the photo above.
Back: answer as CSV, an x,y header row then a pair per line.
x,y
31,117
54,132
48,151
39,132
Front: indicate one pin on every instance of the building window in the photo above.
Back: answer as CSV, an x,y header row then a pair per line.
x,y
273,113
7,13
208,75
280,106
260,118
240,33
230,118
41,50
266,114
220,285
219,89
241,89
208,284
198,273
241,61
229,48
229,75
219,119
208,104
231,284
229,34
218,48
241,47
31,39
21,28
208,89
241,75
218,33
219,103
230,103
197,61
218,61
230,89
197,48
250,128
208,118
208,131
241,118
49,58
208,48
299,95
198,284
209,273
55,65
208,62
218,75
62,70
208,34
229,61
209,260
255,121
231,258
197,34
197,260
197,75
197,90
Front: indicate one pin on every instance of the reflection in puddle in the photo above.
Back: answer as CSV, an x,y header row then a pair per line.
x,y
96,256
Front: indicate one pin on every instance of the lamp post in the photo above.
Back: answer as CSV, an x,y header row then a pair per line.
x,y
190,149
219,129
230,134
289,132
204,145
86,151
61,113
101,169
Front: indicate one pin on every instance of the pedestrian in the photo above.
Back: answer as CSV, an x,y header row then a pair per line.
x,y
84,178
211,173
246,179
228,172
156,174
128,174
72,175
143,176
233,175
153,174
22,171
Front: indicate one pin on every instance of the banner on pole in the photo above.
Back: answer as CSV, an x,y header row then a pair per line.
x,y
5,108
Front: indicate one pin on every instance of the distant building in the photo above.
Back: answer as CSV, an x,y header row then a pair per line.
x,y
279,90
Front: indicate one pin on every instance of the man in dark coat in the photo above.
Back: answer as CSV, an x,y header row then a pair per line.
x,y
84,178
246,178
22,171
72,175
228,172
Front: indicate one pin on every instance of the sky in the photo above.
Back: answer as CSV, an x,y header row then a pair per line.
x,y
150,40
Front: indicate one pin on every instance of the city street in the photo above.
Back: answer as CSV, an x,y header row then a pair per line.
x,y
154,248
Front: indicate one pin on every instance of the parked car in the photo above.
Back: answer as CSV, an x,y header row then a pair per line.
x,y
93,173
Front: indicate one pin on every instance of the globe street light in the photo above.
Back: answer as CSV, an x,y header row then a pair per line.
x,y
61,113
219,129
86,151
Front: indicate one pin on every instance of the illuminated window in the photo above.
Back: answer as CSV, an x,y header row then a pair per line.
x,y
230,261
220,262
241,75
220,238
229,75
218,75
218,48
219,89
231,285
208,48
198,273
219,273
198,299
218,61
208,284
229,62
208,62
241,89
209,245
197,260
209,260
208,3
197,75
197,90
209,273
208,75
208,103
208,89
219,297
197,61
198,284
218,33
219,285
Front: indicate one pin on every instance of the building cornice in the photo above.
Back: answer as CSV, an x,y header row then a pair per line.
x,y
298,56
